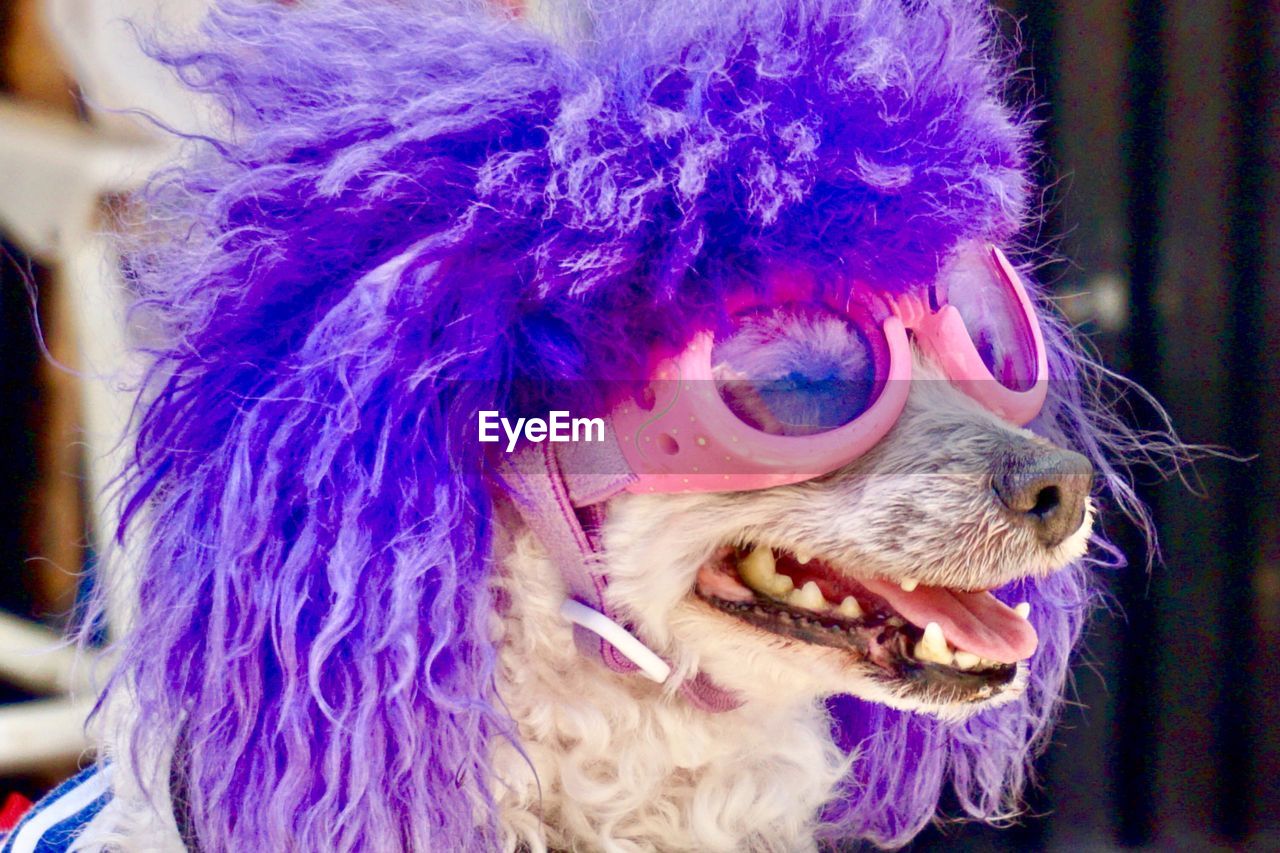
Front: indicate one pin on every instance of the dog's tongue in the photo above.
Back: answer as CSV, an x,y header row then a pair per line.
x,y
977,622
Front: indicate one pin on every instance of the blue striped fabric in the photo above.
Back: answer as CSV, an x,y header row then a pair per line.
x,y
54,822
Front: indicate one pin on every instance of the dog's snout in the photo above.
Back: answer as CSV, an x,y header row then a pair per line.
x,y
1044,488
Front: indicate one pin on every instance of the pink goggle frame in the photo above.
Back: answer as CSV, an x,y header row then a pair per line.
x,y
984,336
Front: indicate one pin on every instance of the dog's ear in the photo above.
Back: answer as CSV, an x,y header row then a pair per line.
x,y
332,288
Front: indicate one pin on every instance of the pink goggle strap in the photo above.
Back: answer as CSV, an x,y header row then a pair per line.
x,y
534,482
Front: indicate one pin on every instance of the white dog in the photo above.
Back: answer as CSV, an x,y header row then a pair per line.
x,y
611,761
358,631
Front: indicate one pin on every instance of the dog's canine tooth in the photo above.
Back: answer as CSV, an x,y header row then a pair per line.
x,y
758,568
850,608
803,556
808,596
933,645
965,660
910,584
1023,609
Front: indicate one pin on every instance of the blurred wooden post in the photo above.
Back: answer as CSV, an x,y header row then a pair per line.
x,y
56,520
55,170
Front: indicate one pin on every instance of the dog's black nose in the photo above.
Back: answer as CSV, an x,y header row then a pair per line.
x,y
1044,488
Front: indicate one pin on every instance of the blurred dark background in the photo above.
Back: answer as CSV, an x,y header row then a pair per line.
x,y
1162,162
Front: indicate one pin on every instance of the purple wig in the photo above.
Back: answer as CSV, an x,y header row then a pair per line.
x,y
424,208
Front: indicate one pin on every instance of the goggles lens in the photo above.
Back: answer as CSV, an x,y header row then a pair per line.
x,y
795,369
995,315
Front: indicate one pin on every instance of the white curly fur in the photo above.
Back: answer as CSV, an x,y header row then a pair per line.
x,y
623,764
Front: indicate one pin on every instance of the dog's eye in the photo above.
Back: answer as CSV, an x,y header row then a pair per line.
x,y
794,369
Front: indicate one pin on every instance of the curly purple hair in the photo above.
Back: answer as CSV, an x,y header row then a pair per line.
x,y
424,208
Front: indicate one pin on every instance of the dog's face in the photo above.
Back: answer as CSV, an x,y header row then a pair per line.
x,y
828,586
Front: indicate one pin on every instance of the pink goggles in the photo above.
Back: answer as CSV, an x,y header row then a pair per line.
x,y
681,433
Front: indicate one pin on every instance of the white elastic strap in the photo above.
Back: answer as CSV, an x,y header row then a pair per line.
x,y
620,638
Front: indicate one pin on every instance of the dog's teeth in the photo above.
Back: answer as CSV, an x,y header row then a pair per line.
x,y
803,556
808,596
933,645
910,584
1023,609
780,585
965,660
850,608
758,569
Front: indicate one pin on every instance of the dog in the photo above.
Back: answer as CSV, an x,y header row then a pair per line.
x,y
606,762
360,627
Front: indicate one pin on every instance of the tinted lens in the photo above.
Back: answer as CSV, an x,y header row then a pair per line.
x,y
993,315
795,369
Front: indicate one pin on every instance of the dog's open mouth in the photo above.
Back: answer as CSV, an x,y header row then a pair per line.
x,y
964,645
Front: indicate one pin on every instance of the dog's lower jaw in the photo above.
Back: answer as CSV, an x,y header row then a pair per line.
x,y
787,673
615,762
